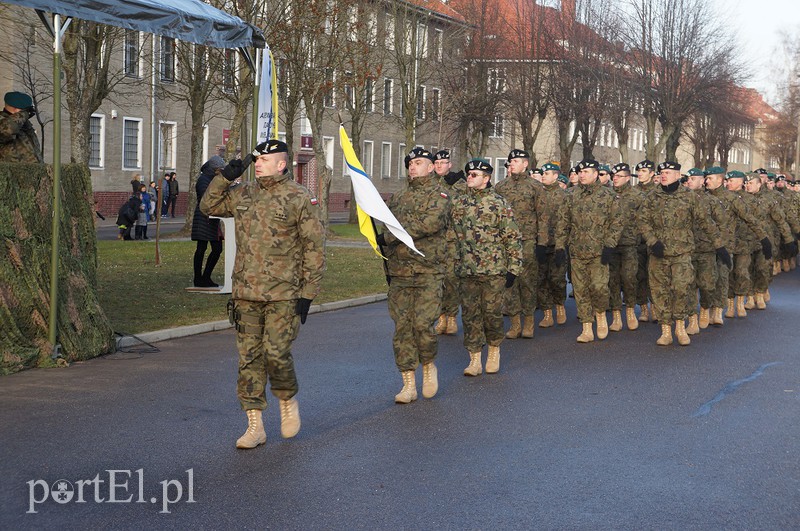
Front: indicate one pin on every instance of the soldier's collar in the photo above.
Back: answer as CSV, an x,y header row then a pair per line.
x,y
268,181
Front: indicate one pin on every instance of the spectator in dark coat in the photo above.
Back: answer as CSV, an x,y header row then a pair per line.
x,y
173,192
205,231
127,216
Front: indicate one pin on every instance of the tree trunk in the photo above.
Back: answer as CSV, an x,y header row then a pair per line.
x,y
673,141
196,149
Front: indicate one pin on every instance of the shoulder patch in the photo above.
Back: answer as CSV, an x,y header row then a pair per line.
x,y
443,195
314,201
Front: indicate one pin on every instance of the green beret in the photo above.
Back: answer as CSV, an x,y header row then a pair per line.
x,y
696,172
714,170
551,167
20,100
605,167
770,175
563,179
735,174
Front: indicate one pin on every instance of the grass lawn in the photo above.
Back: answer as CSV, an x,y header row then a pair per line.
x,y
138,297
347,231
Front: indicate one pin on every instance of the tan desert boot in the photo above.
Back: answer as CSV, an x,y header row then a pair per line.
x,y
761,304
785,265
527,329
776,268
561,314
730,310
474,368
666,336
290,418
409,391
751,302
616,321
705,318
680,333
430,380
630,318
602,325
792,262
694,327
441,325
766,295
740,306
493,360
644,315
452,325
653,313
587,335
255,434
516,327
716,317
547,320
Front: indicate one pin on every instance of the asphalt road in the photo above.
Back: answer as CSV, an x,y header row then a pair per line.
x,y
618,434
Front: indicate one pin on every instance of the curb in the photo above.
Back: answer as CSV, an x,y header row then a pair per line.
x,y
213,326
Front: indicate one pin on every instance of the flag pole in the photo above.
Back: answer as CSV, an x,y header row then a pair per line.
x,y
385,265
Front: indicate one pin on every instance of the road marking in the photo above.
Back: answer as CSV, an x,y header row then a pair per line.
x,y
705,409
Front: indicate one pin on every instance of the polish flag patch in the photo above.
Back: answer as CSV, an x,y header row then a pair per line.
x,y
314,201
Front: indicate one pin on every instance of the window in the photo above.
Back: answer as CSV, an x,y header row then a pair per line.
x,y
327,147
131,53
166,145
372,28
435,102
349,91
205,143
408,38
97,140
388,89
167,59
497,80
366,157
386,160
401,165
602,136
369,94
229,70
352,23
329,100
389,31
497,127
131,143
437,45
422,40
330,20
421,102
499,170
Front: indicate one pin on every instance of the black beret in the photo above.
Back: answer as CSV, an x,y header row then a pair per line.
x,y
20,100
417,153
478,164
622,166
646,164
780,177
270,146
669,165
761,171
443,155
587,163
573,169
518,154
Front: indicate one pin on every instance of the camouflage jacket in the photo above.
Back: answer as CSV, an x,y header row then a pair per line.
x,y
489,242
751,233
588,221
673,218
553,198
279,237
453,190
523,195
748,230
423,209
770,209
630,201
18,141
649,187
722,218
787,199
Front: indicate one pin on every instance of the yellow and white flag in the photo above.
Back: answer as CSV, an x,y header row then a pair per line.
x,y
369,202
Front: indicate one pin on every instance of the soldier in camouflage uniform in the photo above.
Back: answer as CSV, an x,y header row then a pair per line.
x,y
750,237
523,194
279,264
455,184
645,173
670,216
552,277
18,141
726,219
624,265
589,224
489,259
415,292
790,208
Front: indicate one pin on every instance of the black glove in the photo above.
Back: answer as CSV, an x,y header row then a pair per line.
x,y
303,305
31,111
790,248
541,253
233,170
510,277
452,177
657,249
724,256
380,239
560,257
766,248
797,236
605,256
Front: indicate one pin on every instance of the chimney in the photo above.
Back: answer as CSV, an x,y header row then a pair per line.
x,y
568,10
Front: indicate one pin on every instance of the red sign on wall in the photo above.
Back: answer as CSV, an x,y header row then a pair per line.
x,y
226,134
306,143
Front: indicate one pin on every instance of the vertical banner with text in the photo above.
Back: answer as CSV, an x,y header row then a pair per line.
x,y
267,99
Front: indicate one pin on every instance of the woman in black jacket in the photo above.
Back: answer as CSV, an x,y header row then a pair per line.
x,y
204,229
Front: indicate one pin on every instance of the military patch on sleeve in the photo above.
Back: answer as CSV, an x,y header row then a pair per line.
x,y
314,201
444,195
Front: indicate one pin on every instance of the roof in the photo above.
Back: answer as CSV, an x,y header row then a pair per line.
x,y
439,8
755,107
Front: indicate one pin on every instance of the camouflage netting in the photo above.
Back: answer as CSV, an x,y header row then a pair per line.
x,y
25,227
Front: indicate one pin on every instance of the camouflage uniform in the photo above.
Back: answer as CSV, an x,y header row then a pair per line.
x,y
489,245
415,292
768,208
714,295
623,269
18,141
643,284
279,259
704,259
672,218
523,194
749,232
552,277
588,222
451,295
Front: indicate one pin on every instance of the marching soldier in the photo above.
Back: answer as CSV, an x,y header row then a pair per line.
x,y
589,224
726,218
552,277
455,184
489,259
670,215
523,194
645,171
415,291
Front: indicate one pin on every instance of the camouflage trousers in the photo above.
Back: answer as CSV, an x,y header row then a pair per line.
x,y
451,295
720,293
623,270
642,277
705,280
414,305
671,279
760,272
482,311
521,296
590,284
552,281
739,281
265,331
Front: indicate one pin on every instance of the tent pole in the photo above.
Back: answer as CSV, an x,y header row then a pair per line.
x,y
52,330
254,121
